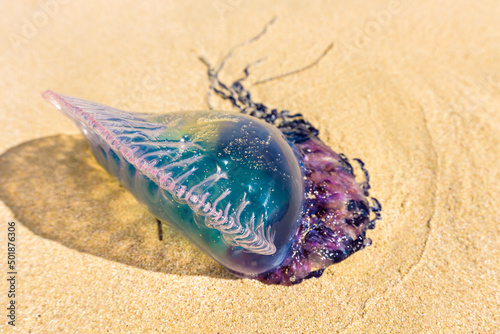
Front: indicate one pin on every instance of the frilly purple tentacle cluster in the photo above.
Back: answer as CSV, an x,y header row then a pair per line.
x,y
335,219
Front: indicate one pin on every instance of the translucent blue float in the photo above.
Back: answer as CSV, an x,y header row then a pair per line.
x,y
226,181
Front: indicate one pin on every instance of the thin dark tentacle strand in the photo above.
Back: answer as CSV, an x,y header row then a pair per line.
x,y
250,41
160,230
281,76
246,71
366,183
348,165
376,209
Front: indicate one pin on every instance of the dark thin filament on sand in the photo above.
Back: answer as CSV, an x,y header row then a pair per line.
x,y
250,41
298,70
160,230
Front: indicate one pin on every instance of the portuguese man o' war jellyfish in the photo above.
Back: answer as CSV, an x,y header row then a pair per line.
x,y
258,191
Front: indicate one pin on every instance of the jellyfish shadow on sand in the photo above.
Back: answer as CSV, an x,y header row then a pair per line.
x,y
57,190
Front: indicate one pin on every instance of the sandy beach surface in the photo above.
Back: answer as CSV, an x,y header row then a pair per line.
x,y
410,87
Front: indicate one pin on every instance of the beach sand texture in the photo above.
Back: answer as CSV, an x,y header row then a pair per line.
x,y
412,88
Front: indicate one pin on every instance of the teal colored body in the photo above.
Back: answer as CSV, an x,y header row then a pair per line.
x,y
226,181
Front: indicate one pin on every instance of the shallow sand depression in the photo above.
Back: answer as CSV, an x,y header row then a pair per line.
x,y
413,89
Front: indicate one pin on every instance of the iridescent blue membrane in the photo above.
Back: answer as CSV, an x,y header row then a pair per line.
x,y
228,182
